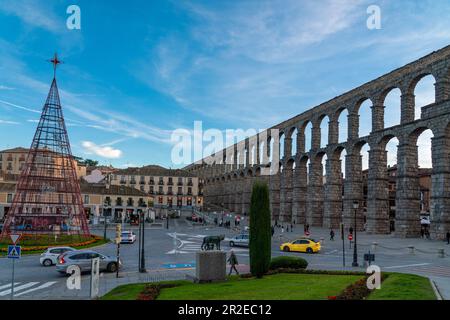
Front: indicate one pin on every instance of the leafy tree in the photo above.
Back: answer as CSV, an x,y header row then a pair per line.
x,y
90,162
260,233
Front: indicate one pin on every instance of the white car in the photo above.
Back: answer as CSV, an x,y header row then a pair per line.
x,y
50,256
128,237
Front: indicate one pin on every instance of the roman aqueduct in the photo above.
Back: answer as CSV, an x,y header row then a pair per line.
x,y
301,194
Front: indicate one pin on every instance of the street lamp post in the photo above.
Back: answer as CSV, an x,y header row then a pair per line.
x,y
142,243
104,218
355,252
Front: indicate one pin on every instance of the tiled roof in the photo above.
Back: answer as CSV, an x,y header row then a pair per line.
x,y
154,170
15,150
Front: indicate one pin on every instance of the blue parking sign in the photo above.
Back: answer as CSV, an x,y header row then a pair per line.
x,y
14,252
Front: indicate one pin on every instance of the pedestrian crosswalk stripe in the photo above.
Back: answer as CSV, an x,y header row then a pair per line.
x,y
16,289
8,285
43,286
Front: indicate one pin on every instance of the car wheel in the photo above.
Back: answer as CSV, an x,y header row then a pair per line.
x,y
47,263
231,244
309,250
112,267
286,249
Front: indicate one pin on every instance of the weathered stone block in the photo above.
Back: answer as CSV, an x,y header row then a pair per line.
x,y
211,265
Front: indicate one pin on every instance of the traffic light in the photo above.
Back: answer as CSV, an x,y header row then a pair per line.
x,y
118,233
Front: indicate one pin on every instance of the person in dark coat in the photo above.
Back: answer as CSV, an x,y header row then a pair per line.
x,y
272,230
448,237
233,262
292,227
331,235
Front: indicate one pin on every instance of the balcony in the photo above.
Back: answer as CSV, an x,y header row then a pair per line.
x,y
142,182
170,183
133,182
180,183
151,192
190,183
179,193
169,193
161,182
123,182
152,182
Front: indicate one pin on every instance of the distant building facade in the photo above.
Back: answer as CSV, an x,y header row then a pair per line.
x,y
173,188
13,160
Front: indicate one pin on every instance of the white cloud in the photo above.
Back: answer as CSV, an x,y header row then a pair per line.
x,y
8,122
101,151
2,87
33,12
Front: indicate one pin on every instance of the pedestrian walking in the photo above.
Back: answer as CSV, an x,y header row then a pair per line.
x,y
422,232
233,262
307,228
272,230
332,235
287,228
282,229
448,237
350,230
292,227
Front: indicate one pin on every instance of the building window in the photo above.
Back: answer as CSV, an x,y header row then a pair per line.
x,y
86,199
189,190
9,198
152,190
160,200
161,181
180,190
142,188
161,190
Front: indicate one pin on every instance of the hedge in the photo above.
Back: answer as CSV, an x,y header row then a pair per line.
x,y
288,262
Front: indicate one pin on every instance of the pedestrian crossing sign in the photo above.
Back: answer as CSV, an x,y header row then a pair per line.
x,y
14,252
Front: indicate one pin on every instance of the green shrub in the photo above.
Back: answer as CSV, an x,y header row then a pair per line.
x,y
288,263
260,233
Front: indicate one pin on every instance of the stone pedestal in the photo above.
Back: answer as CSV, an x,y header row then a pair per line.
x,y
211,265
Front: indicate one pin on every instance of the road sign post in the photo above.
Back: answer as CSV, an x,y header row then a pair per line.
x,y
14,252
118,240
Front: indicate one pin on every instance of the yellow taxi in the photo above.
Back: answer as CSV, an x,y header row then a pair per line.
x,y
301,245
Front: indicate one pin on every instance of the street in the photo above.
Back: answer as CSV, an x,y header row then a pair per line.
x,y
170,254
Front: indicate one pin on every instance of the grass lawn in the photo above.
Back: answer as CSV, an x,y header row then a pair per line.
x,y
400,286
273,287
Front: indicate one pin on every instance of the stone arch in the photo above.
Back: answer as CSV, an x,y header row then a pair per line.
x,y
391,101
305,131
324,123
293,134
341,117
360,123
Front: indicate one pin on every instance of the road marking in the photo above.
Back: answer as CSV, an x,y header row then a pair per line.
x,y
8,285
43,286
24,286
407,265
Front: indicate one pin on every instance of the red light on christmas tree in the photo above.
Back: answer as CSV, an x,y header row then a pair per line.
x,y
48,198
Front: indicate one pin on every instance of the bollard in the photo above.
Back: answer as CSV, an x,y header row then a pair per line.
x,y
441,253
374,246
411,249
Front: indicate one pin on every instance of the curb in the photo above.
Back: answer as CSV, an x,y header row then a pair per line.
x,y
436,290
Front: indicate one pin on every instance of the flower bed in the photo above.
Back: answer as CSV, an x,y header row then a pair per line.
x,y
41,247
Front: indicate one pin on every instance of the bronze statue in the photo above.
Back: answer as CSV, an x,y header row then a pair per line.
x,y
210,241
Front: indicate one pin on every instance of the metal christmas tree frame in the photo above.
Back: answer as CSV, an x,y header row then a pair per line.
x,y
48,198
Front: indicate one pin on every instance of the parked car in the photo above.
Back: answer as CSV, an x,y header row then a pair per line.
x,y
50,256
83,259
128,237
241,240
301,245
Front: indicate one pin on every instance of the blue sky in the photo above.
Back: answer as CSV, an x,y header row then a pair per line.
x,y
137,70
